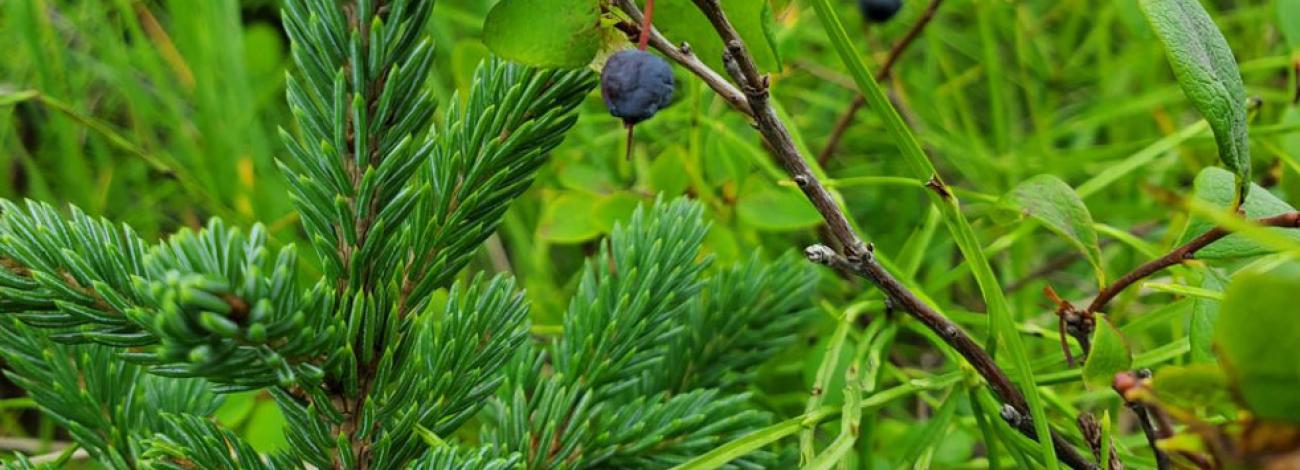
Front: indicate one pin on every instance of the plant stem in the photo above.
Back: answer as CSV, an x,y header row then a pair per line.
x,y
1001,324
646,26
886,70
858,257
1178,256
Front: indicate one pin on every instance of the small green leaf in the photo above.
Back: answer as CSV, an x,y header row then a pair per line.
x,y
578,216
767,206
570,218
1215,186
1191,386
668,174
681,21
1208,75
1288,21
1110,355
544,33
1258,325
615,208
1055,204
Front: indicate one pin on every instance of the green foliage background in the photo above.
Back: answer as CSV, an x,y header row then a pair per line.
x,y
162,114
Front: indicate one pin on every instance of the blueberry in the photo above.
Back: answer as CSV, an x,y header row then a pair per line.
x,y
636,85
879,11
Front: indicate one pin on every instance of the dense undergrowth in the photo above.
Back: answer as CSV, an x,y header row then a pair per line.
x,y
1059,125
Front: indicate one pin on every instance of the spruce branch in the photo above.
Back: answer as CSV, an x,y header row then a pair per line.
x,y
451,458
743,316
609,392
191,442
484,155
107,405
212,304
395,206
630,296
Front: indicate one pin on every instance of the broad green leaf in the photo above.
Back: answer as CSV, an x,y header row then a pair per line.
x,y
1288,21
579,216
570,218
544,33
1110,355
723,162
1258,327
614,208
767,206
1208,75
681,21
668,175
1215,186
1055,204
1205,313
1191,386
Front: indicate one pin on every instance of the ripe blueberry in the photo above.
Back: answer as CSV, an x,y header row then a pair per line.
x,y
879,11
636,85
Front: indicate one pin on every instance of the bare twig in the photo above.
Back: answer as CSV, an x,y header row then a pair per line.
x,y
685,57
886,70
1178,256
857,256
1126,382
952,334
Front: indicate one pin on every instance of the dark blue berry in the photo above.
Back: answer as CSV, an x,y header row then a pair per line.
x,y
636,85
879,11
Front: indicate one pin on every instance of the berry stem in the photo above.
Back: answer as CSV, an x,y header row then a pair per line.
x,y
630,130
644,41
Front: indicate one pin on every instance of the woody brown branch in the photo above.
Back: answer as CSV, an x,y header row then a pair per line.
x,y
857,256
1178,256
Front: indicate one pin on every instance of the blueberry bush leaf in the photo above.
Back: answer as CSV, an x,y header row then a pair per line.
x,y
1215,186
1110,355
569,38
774,208
1207,72
1191,386
681,21
1257,324
1054,203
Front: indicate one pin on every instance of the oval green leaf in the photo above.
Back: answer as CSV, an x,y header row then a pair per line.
x,y
1110,355
1190,386
767,206
1216,186
1208,74
544,33
1257,329
1054,203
